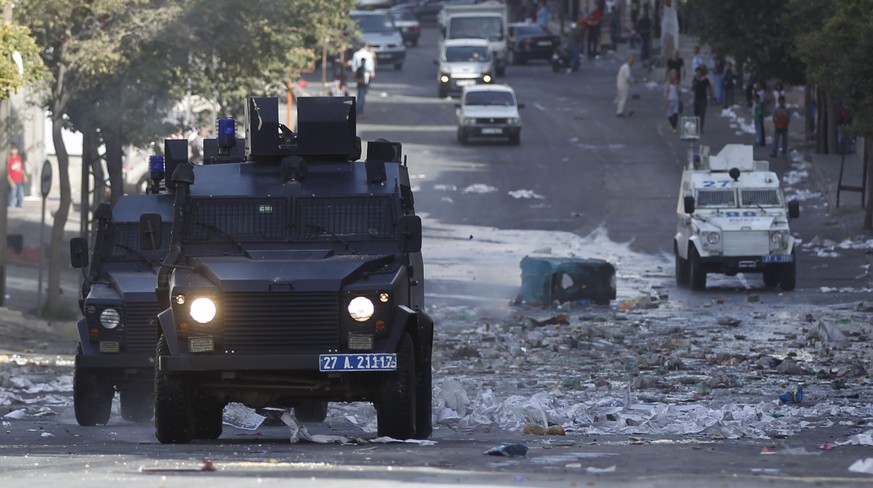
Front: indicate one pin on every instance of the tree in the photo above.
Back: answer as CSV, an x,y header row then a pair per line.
x,y
837,58
116,65
20,63
755,34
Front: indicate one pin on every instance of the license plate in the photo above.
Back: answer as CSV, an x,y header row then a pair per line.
x,y
492,131
357,362
778,258
544,43
466,82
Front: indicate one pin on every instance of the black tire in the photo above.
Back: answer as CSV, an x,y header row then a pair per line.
x,y
424,401
696,271
501,71
137,401
441,91
311,411
515,139
398,66
395,400
771,276
209,420
463,138
92,395
788,279
556,66
415,43
682,269
173,403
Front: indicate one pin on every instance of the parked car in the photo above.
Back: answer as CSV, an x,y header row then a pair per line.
x,y
463,62
427,11
529,41
410,28
382,35
374,4
489,111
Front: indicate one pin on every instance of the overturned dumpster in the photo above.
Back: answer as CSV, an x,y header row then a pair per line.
x,y
545,280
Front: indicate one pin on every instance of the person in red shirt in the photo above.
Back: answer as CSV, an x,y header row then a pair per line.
x,y
594,19
16,176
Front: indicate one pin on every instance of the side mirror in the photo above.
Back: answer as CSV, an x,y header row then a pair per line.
x,y
150,237
409,232
793,209
520,105
79,252
436,62
457,105
688,203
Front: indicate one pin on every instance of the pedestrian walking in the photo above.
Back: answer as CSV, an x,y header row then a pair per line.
x,y
702,89
761,91
543,16
718,78
644,30
781,119
595,17
728,82
622,85
16,176
673,99
614,15
697,60
676,62
758,118
364,67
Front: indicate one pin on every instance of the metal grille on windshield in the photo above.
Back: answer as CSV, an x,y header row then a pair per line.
x,y
716,198
250,219
766,198
365,216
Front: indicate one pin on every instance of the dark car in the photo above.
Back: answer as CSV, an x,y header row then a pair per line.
x,y
426,11
529,41
410,27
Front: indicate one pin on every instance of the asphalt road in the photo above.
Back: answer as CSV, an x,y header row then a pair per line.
x,y
593,171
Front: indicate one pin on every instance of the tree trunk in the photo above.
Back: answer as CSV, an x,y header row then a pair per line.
x,y
53,307
832,125
821,125
112,139
868,184
809,120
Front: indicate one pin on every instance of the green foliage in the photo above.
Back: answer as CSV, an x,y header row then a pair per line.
x,y
755,33
17,38
838,57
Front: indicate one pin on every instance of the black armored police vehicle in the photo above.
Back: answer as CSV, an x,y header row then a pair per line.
x,y
294,277
118,330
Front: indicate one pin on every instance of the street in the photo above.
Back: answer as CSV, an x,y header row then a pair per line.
x,y
664,387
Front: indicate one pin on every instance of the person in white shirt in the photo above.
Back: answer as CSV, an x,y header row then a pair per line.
x,y
622,85
364,68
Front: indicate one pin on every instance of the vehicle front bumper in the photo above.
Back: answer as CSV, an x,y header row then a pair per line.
x,y
115,361
390,56
491,131
744,263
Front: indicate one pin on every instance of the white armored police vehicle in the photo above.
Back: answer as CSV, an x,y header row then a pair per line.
x,y
732,218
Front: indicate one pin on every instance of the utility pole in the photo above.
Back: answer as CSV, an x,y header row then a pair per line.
x,y
5,116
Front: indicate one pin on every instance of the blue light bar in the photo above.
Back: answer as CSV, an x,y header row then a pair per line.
x,y
156,168
226,132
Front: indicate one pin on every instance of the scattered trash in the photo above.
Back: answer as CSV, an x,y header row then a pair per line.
x,y
508,450
537,429
242,417
206,466
16,414
729,322
827,446
862,439
862,466
593,470
793,396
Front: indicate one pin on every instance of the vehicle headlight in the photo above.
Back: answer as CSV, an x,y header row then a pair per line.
x,y
361,309
203,310
514,121
713,238
444,78
110,318
486,78
778,240
468,121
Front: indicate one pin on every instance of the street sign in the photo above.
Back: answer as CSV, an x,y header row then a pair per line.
x,y
46,179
